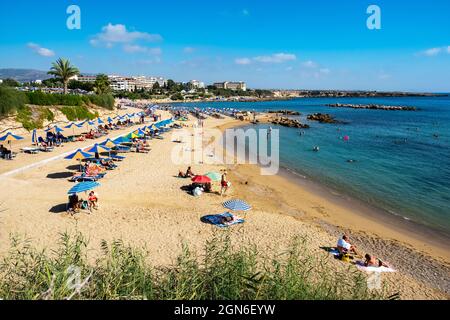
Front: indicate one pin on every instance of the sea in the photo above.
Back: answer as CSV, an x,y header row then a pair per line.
x,y
400,160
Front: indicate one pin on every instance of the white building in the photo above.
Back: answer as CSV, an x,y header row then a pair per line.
x,y
231,85
195,84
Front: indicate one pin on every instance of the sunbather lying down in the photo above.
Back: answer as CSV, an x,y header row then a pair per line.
x,y
372,261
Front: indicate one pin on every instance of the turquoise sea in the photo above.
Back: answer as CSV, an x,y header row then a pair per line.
x,y
402,159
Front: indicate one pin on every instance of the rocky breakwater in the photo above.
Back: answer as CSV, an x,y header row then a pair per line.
x,y
290,123
372,107
322,118
285,112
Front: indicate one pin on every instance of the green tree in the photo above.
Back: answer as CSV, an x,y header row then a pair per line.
x,y
10,83
63,70
102,84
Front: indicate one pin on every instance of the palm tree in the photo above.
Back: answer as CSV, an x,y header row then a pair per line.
x,y
101,85
63,70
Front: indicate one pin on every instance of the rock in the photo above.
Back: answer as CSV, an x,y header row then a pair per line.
x,y
372,106
290,123
286,112
322,118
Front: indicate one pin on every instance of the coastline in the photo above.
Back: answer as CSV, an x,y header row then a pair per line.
x,y
349,214
142,204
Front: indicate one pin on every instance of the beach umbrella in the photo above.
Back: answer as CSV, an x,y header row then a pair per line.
x,y
201,179
237,205
34,139
79,155
100,121
110,120
83,187
9,137
72,126
132,135
214,176
108,143
122,140
98,149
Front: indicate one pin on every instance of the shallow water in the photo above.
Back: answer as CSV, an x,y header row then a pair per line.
x,y
400,166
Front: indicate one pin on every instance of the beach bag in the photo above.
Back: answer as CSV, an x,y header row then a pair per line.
x,y
345,257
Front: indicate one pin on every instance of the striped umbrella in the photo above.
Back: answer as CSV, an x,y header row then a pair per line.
x,y
237,205
121,140
79,155
83,187
110,120
98,148
108,143
100,121
9,137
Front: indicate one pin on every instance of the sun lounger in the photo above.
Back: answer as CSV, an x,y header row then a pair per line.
x,y
30,150
117,158
216,220
360,265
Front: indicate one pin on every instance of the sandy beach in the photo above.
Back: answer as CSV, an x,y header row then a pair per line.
x,y
141,203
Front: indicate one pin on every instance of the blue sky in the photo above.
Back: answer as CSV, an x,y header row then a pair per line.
x,y
270,44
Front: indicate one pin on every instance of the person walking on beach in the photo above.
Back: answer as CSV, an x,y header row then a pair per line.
x,y
224,184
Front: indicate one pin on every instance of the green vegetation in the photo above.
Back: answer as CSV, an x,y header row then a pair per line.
x,y
10,83
33,120
102,84
78,113
222,272
63,70
74,84
11,100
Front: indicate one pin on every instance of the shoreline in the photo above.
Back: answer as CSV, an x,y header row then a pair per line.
x,y
354,214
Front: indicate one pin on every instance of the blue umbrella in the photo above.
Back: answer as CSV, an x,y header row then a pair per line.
x,y
83,187
110,120
121,140
72,124
98,148
100,121
10,137
34,137
58,129
78,155
91,123
237,205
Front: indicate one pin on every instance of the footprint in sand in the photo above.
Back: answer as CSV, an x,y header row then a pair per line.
x,y
322,211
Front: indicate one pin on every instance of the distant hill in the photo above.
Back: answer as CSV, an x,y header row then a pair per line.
x,y
24,75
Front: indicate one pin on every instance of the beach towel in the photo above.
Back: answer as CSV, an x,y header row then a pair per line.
x,y
216,220
360,265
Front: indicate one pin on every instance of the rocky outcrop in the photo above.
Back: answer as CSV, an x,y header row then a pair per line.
x,y
290,123
322,118
286,112
372,106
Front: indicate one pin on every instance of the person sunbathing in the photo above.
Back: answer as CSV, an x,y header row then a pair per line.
x,y
372,261
344,246
227,219
189,173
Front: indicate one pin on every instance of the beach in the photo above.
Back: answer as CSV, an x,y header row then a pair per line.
x,y
142,203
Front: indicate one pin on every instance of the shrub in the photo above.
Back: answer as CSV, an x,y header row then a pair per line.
x,y
221,272
11,100
78,113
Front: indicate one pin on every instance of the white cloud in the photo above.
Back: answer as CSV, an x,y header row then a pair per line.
x,y
188,49
309,64
134,48
243,61
44,52
325,71
432,52
448,49
276,58
118,33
